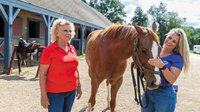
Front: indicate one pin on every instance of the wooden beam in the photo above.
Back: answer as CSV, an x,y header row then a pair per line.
x,y
52,19
15,14
82,39
45,20
48,21
5,16
8,38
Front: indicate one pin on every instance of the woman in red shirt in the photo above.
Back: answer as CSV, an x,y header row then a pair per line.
x,y
58,75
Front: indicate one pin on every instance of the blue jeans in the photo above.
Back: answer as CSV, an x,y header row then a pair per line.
x,y
162,99
61,102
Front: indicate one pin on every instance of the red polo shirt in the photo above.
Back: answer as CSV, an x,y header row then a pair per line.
x,y
62,75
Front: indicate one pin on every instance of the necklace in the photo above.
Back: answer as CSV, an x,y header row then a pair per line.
x,y
65,48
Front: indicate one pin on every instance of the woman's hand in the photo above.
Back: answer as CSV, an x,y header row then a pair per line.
x,y
45,101
157,62
79,92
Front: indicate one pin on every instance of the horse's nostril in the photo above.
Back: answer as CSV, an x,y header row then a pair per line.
x,y
152,83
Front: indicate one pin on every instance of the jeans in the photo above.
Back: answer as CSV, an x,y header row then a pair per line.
x,y
61,102
162,99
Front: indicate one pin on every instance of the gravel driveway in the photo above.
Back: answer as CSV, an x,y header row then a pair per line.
x,y
20,93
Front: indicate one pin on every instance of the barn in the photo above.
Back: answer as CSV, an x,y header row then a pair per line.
x,y
32,20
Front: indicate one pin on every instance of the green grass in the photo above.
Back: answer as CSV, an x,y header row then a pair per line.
x,y
81,57
192,53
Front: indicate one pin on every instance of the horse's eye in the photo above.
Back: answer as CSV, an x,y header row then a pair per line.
x,y
144,50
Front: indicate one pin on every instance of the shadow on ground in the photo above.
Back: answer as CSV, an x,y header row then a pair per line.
x,y
17,77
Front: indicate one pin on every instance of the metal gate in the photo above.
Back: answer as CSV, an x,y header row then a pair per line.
x,y
1,48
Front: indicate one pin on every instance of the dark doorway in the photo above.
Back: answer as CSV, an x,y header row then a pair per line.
x,y
2,28
33,29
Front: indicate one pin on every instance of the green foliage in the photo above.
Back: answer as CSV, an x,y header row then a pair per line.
x,y
166,20
174,20
193,35
198,30
112,9
140,18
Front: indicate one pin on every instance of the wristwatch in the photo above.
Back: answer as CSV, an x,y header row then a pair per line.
x,y
163,68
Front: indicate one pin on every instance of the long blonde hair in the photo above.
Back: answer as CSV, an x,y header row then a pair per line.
x,y
183,47
56,24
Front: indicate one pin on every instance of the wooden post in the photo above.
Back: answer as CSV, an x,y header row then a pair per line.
x,y
12,58
37,71
40,49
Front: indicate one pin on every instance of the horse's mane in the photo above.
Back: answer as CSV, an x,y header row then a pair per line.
x,y
119,31
124,32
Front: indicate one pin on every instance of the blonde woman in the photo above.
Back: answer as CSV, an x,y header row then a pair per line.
x,y
58,75
173,58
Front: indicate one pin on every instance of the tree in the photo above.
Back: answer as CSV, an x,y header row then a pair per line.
x,y
112,9
166,20
140,18
198,30
193,35
174,20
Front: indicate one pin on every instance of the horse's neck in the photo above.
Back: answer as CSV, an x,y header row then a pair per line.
x,y
123,49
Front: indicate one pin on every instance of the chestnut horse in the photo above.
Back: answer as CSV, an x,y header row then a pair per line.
x,y
107,52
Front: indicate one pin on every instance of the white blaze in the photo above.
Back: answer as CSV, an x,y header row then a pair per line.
x,y
154,51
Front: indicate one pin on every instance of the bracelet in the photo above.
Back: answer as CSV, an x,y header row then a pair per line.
x,y
163,68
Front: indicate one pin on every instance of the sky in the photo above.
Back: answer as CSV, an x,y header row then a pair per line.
x,y
189,9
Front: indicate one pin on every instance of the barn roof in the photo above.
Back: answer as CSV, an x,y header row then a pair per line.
x,y
73,8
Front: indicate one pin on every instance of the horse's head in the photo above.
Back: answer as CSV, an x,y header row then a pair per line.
x,y
147,46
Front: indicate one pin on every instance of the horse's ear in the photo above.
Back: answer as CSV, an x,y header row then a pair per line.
x,y
154,26
138,28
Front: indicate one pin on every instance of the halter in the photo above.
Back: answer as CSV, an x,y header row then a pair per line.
x,y
140,75
142,69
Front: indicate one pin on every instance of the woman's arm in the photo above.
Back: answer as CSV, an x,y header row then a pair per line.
x,y
42,80
79,91
170,75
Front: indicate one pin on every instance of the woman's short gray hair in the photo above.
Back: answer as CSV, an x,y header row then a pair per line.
x,y
56,24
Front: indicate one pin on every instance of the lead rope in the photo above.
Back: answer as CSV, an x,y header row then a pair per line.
x,y
137,89
139,79
134,83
